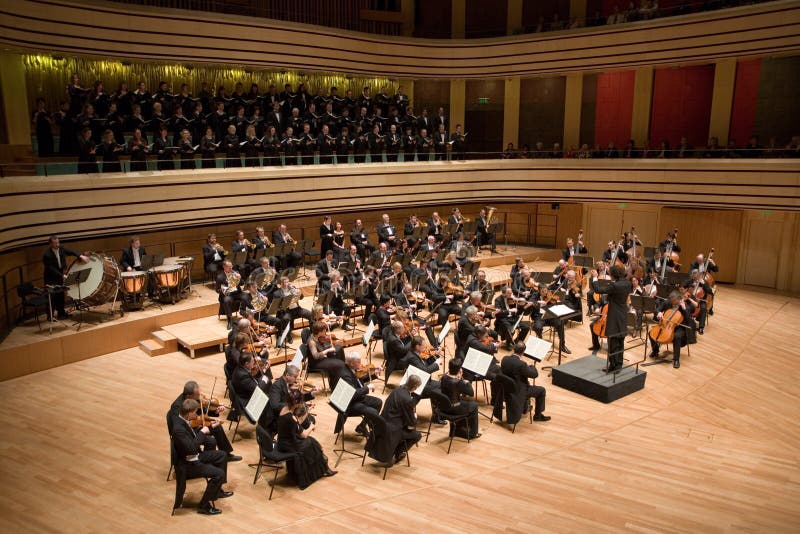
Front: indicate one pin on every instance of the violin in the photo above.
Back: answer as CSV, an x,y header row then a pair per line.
x,y
203,420
549,297
664,331
368,371
456,289
304,386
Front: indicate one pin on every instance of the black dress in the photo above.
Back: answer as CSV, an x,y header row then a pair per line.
x,y
326,239
454,389
308,466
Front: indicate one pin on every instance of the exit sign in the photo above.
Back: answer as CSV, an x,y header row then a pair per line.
x,y
622,205
483,100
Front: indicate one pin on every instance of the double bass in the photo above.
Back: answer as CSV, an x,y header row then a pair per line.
x,y
571,260
664,331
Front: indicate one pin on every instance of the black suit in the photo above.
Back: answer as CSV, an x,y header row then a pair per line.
x,y
518,371
128,260
244,384
216,440
210,264
572,251
362,402
430,366
54,273
617,319
211,464
359,238
484,236
385,231
293,258
395,357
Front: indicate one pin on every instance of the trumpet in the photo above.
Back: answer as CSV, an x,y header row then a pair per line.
x,y
219,248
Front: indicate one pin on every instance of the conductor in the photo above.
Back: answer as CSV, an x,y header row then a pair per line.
x,y
616,321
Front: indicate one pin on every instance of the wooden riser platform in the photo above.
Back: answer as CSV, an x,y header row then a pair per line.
x,y
28,350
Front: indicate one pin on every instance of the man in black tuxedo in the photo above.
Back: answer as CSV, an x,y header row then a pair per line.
x,y
484,235
55,265
573,249
278,393
325,266
230,295
362,402
245,381
401,419
197,462
216,439
387,233
513,367
213,254
358,237
281,236
132,256
617,317
430,365
396,350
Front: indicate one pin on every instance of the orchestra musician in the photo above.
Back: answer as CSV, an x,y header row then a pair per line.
x,y
655,263
573,249
54,262
294,311
698,289
594,304
401,419
336,284
613,252
323,354
666,308
211,464
248,376
435,226
213,254
506,315
460,393
242,244
480,339
216,439
429,364
617,315
519,264
408,230
281,236
387,232
359,238
483,235
339,249
326,235
227,286
325,266
446,296
362,403
364,290
513,367
132,256
396,348
482,285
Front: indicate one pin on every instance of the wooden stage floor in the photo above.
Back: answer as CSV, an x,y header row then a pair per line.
x,y
711,447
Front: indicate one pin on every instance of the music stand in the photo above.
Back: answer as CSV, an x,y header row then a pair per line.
x,y
301,247
441,255
423,254
584,262
78,278
51,290
469,227
324,300
649,252
543,278
417,233
496,228
554,312
148,261
676,278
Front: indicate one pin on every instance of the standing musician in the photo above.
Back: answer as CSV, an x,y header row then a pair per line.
x,y
323,354
362,402
616,252
456,218
228,282
213,465
573,249
704,266
359,238
387,232
506,316
281,236
666,311
132,256
326,235
216,439
213,254
672,239
513,367
54,261
483,235
655,264
617,316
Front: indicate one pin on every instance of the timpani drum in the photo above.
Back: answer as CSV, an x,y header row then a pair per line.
x,y
102,283
168,280
134,289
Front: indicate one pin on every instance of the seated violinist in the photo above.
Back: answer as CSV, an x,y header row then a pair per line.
x,y
279,393
481,340
445,296
508,312
249,375
323,354
362,402
335,284
428,361
216,438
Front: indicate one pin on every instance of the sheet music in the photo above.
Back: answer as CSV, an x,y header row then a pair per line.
x,y
297,361
423,376
368,333
256,404
444,332
537,348
559,310
284,333
477,361
342,395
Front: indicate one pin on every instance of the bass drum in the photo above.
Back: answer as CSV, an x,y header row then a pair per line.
x,y
101,284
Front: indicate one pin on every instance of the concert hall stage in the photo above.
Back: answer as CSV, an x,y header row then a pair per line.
x,y
28,350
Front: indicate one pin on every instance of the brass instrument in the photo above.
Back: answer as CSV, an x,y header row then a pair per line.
x,y
490,211
259,302
219,248
232,279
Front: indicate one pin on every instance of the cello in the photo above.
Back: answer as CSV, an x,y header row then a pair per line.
x,y
664,331
599,326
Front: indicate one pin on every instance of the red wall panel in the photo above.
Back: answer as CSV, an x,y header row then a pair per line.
x,y
745,97
614,108
682,104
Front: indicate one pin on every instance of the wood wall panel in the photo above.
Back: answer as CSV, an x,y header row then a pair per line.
x,y
482,22
700,230
430,94
762,252
745,97
72,27
778,105
541,110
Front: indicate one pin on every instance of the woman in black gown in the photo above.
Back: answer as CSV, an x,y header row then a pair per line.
x,y
455,388
310,464
326,235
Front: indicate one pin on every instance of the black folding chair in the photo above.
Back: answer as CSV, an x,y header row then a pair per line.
x,y
441,406
180,477
307,368
507,388
376,432
269,457
237,411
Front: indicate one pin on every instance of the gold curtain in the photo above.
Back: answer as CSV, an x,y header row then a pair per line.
x,y
47,76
